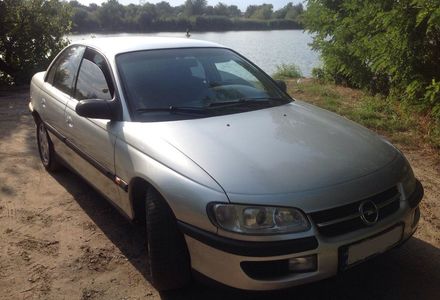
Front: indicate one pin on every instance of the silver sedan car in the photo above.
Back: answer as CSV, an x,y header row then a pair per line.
x,y
233,179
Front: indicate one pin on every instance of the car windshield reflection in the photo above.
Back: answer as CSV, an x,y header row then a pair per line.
x,y
156,80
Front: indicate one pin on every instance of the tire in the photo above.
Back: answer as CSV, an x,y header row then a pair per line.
x,y
168,258
46,149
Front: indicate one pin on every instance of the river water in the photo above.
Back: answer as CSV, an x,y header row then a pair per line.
x,y
267,49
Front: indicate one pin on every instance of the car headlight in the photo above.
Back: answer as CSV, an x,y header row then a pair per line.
x,y
258,219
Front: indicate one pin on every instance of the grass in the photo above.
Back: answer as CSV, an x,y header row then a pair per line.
x,y
285,71
387,117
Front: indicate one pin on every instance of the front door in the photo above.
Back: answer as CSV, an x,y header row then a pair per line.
x,y
58,87
93,140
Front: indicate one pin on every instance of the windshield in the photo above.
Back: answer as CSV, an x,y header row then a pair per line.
x,y
194,82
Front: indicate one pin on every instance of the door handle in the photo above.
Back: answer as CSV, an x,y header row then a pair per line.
x,y
43,102
69,121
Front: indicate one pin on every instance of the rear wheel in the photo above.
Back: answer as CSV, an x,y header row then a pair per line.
x,y
46,149
169,263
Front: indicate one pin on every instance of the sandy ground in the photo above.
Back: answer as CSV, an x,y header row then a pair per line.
x,y
60,240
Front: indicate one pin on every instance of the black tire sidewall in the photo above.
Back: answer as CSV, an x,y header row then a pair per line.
x,y
51,164
168,257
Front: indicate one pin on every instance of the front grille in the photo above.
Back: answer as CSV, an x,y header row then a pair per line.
x,y
347,218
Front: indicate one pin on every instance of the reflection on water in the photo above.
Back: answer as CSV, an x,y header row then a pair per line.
x,y
265,48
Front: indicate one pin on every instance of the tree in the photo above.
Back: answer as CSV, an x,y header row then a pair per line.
x,y
82,18
147,15
281,13
93,7
131,17
262,12
74,3
225,10
390,47
250,10
195,7
164,9
234,11
295,12
290,12
111,15
221,9
32,32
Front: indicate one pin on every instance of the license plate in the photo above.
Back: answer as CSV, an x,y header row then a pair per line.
x,y
369,247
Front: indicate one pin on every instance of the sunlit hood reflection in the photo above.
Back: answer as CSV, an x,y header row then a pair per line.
x,y
284,149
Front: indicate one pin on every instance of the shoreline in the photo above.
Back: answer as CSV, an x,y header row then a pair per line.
x,y
184,31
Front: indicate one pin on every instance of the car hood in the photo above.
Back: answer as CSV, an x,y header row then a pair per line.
x,y
285,149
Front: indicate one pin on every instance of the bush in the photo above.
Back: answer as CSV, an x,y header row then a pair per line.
x,y
318,73
287,71
386,47
32,32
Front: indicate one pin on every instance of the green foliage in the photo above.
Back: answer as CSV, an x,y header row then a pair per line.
x,y
290,12
31,33
260,12
194,7
285,71
111,16
164,9
382,114
432,95
319,74
222,9
388,47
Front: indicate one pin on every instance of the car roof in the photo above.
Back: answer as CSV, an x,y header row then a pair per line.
x,y
112,46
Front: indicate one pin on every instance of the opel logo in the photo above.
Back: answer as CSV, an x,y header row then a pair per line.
x,y
369,212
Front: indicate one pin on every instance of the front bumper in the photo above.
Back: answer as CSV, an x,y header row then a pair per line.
x,y
222,259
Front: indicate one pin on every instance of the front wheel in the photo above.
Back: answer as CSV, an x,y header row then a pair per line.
x,y
46,149
169,263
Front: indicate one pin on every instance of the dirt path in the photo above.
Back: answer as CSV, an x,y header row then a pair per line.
x,y
60,240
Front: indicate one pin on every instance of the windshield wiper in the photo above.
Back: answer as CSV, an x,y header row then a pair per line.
x,y
175,109
208,109
241,101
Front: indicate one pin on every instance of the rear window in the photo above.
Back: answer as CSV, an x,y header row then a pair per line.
x,y
63,72
92,82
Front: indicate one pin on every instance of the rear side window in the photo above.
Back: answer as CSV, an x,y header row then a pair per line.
x,y
63,72
93,79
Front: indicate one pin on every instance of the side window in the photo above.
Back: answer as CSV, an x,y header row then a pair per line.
x,y
93,79
62,73
51,72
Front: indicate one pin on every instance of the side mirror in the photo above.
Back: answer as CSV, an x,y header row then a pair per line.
x,y
282,84
94,109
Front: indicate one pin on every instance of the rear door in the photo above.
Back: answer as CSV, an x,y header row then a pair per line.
x,y
93,140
